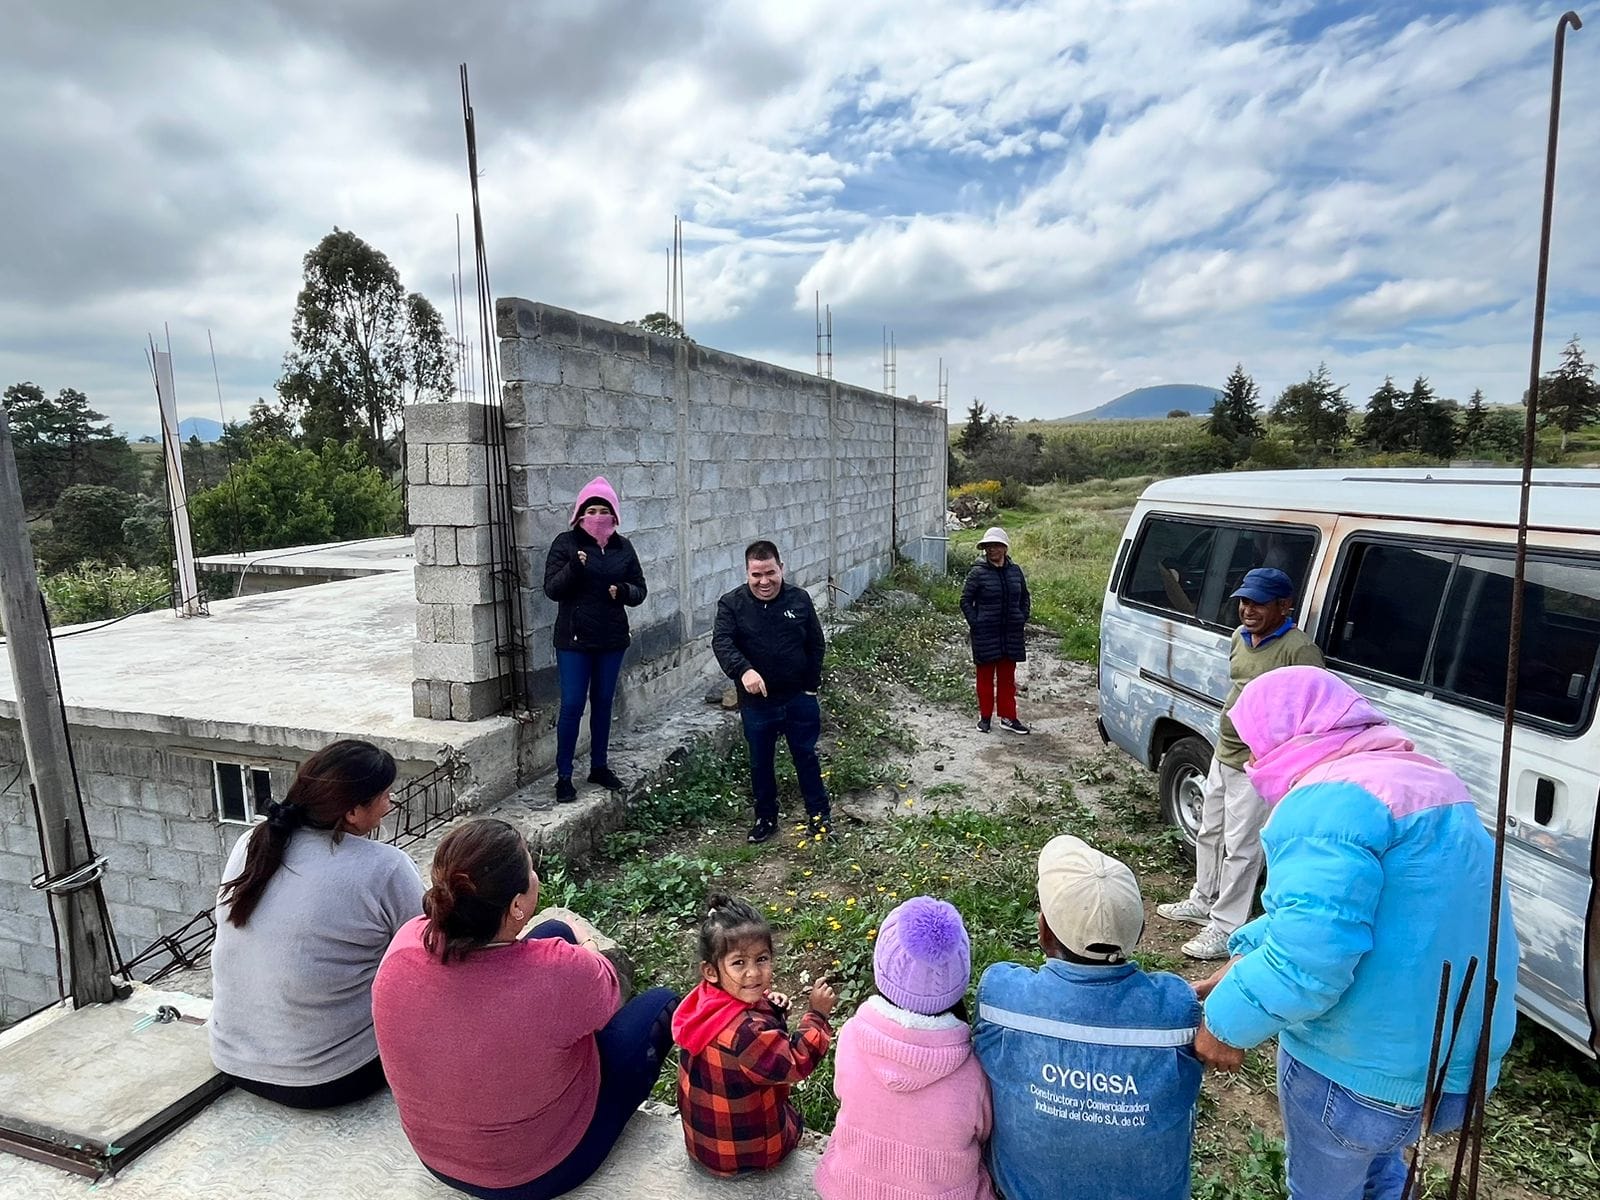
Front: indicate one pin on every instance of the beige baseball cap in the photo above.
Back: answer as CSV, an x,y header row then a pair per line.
x,y
1090,900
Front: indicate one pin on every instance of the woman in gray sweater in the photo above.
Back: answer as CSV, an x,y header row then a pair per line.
x,y
307,907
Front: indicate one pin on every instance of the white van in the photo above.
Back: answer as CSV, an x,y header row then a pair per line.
x,y
1404,580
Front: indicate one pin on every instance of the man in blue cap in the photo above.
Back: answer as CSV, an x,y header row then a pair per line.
x,y
1228,856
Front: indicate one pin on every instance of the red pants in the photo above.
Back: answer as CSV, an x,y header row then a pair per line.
x,y
1003,672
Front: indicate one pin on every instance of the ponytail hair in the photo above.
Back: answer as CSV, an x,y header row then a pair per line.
x,y
329,784
729,923
480,867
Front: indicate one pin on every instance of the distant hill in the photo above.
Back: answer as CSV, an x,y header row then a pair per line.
x,y
204,428
1147,402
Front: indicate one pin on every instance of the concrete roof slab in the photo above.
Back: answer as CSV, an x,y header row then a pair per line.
x,y
293,668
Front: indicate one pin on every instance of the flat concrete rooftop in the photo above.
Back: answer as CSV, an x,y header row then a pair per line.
x,y
332,560
243,1146
292,668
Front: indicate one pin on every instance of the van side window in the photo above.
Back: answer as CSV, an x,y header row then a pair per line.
x,y
1438,618
1289,550
1191,570
1560,636
1169,565
1388,607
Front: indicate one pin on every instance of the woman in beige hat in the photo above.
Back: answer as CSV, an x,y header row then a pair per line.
x,y
995,602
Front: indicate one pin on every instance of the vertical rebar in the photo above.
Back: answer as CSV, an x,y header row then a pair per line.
x,y
1473,1129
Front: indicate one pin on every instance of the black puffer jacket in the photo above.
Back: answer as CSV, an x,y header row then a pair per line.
x,y
996,603
587,618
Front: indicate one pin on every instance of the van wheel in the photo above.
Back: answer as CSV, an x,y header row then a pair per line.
x,y
1182,786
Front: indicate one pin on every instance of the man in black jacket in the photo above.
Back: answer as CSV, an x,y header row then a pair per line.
x,y
768,640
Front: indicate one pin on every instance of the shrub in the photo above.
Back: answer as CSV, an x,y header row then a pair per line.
x,y
92,593
291,496
986,490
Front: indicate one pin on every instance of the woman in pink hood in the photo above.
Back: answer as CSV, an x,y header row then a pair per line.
x,y
593,575
913,1101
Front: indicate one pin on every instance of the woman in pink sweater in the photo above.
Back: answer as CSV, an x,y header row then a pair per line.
x,y
913,1101
512,1064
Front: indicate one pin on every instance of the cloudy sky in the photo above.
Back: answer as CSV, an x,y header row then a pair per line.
x,y
1063,199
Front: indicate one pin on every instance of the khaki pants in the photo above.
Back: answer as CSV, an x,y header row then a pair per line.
x,y
1228,856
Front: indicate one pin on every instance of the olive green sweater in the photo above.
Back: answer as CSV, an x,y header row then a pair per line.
x,y
1293,647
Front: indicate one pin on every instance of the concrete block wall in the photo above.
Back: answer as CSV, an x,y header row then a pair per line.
x,y
708,451
456,670
151,810
152,813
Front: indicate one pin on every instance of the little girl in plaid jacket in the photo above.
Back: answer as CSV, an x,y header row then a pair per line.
x,y
738,1058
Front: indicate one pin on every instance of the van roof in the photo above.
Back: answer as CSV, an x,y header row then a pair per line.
x,y
1561,498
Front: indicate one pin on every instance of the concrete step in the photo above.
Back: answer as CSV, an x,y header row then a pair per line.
x,y
642,757
245,1148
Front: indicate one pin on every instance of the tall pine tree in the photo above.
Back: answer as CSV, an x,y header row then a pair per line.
x,y
1315,412
1236,414
1380,428
980,428
1473,422
1568,396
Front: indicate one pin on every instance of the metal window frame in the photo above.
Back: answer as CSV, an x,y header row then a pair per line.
x,y
247,772
1218,525
1340,581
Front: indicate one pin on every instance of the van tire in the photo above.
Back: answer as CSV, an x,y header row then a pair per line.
x,y
1183,774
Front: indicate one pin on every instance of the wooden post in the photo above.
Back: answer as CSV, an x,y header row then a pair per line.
x,y
85,947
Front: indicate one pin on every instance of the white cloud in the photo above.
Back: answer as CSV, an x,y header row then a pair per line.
x,y
1059,197
1398,300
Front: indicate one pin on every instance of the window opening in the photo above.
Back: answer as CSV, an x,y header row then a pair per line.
x,y
242,792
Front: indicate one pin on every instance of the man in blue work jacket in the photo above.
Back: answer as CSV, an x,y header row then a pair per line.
x,y
1090,1059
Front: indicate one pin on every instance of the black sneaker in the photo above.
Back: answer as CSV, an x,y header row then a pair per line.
x,y
762,831
1014,725
983,724
606,778
565,792
818,824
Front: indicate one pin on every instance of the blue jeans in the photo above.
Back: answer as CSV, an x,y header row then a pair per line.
x,y
799,721
592,678
1343,1146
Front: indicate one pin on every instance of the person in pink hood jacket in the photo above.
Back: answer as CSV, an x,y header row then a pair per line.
x,y
593,575
913,1101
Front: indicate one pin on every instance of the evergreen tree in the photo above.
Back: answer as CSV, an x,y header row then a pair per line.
x,y
1315,413
1236,414
1380,428
1568,396
61,442
981,427
1472,423
1425,424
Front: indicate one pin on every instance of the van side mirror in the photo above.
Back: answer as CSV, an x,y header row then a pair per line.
x,y
1575,687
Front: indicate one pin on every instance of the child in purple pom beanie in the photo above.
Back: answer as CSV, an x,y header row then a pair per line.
x,y
913,1101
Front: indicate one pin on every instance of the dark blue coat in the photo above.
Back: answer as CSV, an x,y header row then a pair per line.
x,y
995,602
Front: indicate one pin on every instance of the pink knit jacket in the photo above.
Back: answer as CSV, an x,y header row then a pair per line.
x,y
913,1110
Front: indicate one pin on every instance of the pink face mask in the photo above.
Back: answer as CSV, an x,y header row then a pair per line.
x,y
599,526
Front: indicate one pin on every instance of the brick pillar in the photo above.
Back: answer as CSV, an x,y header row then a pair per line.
x,y
457,674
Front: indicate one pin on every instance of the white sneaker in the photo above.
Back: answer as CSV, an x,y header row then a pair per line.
x,y
1188,909
1209,943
